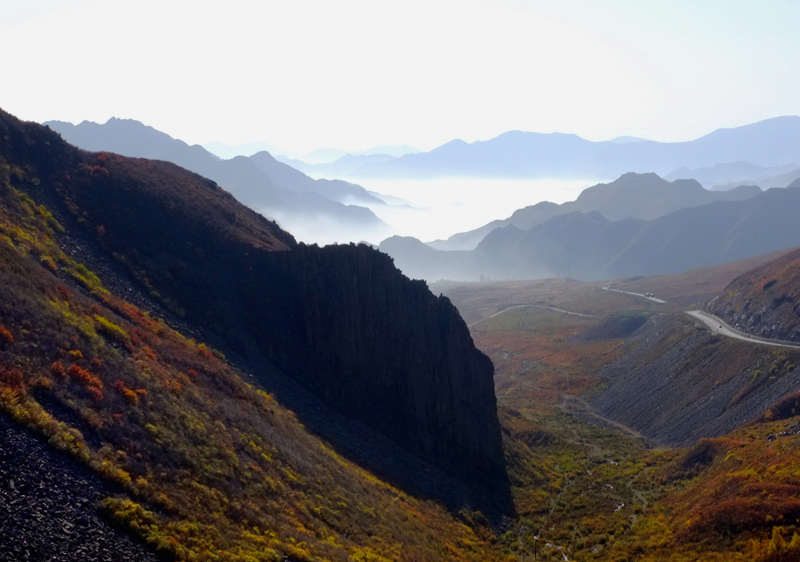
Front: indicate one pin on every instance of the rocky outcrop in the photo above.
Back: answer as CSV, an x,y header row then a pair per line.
x,y
764,301
411,368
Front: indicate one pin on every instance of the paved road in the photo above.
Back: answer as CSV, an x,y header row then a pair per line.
x,y
654,299
718,326
506,309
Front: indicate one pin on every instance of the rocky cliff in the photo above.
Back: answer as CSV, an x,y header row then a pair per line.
x,y
342,320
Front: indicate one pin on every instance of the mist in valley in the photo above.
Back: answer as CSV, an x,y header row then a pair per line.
x,y
433,209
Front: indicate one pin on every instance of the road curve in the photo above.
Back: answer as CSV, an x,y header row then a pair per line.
x,y
719,326
506,309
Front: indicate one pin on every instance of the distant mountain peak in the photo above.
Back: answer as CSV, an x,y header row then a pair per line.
x,y
624,139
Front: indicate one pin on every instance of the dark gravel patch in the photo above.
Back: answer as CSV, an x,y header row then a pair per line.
x,y
48,506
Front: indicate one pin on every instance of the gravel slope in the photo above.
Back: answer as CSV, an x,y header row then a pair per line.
x,y
48,506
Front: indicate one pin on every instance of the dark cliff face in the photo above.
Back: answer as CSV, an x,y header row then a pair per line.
x,y
766,300
342,320
411,366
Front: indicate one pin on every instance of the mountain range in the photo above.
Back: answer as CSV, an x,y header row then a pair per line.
x,y
517,154
587,245
259,181
640,196
721,177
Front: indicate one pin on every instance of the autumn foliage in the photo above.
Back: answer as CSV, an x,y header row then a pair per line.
x,y
208,466
5,335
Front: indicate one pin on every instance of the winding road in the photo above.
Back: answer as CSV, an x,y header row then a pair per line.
x,y
506,309
715,324
718,326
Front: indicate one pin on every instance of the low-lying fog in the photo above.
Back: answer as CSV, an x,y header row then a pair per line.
x,y
436,209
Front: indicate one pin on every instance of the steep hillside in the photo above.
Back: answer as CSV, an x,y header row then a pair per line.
x,y
677,382
201,464
341,320
765,301
259,182
165,435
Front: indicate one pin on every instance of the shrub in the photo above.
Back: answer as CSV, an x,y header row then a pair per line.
x,y
131,396
80,374
49,263
95,393
57,368
107,327
786,408
12,378
6,335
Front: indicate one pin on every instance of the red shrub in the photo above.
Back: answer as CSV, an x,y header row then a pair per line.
x,y
12,378
80,374
64,292
131,396
5,335
57,368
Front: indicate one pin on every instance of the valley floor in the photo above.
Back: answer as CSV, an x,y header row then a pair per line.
x,y
597,479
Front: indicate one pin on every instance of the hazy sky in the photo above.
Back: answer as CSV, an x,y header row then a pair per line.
x,y
302,74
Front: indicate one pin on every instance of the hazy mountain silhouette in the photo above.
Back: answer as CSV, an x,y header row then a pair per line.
x,y
228,151
259,182
517,154
780,178
589,246
626,139
347,165
642,196
329,155
294,180
731,174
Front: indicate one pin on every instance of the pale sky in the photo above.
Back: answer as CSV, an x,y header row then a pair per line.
x,y
353,74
